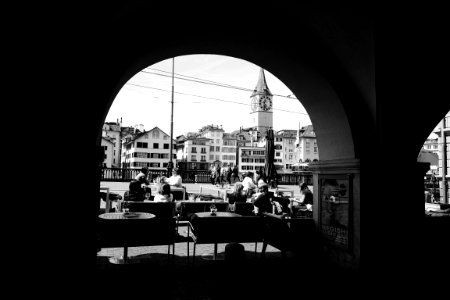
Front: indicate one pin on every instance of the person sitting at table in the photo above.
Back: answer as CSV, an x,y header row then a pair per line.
x,y
139,186
262,202
175,179
164,194
238,194
249,185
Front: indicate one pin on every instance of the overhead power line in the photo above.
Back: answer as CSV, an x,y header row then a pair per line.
x,y
209,98
210,82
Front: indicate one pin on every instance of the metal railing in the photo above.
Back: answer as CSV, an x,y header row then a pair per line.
x,y
194,176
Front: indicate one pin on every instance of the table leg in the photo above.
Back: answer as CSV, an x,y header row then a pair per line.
x,y
215,251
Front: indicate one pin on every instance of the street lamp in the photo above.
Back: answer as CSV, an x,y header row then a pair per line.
x,y
170,164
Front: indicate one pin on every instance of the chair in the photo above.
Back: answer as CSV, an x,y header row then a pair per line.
x,y
244,208
138,232
297,235
213,230
159,209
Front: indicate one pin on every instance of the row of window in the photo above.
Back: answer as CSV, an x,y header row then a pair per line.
x,y
149,155
251,160
149,165
254,152
155,145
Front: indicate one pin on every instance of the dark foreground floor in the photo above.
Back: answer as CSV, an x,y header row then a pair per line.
x,y
256,278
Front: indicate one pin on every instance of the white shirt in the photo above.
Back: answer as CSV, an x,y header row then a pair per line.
x,y
248,183
174,180
163,198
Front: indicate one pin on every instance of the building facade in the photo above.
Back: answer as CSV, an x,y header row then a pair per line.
x,y
149,149
443,133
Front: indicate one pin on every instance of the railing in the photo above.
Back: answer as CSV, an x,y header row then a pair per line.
x,y
194,176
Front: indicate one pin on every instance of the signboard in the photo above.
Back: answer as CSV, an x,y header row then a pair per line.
x,y
335,209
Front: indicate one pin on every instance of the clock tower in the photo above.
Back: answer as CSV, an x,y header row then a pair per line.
x,y
261,105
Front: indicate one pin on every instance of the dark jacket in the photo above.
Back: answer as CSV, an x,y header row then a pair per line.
x,y
232,198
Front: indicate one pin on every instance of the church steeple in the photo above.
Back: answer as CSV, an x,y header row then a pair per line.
x,y
261,86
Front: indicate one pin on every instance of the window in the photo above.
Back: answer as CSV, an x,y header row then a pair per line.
x,y
290,156
203,158
277,154
155,146
203,150
217,141
193,157
155,134
154,165
315,149
211,148
211,157
217,149
166,146
141,145
194,149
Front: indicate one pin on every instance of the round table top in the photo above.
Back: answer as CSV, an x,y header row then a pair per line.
x,y
130,215
218,214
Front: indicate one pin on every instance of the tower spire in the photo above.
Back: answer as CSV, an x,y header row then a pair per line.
x,y
261,85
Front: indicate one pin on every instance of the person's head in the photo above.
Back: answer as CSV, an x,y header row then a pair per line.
x,y
164,189
144,170
238,187
303,186
263,187
174,171
249,174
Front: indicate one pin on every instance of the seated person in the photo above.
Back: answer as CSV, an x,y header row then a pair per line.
x,y
175,179
249,185
164,194
238,194
263,201
139,186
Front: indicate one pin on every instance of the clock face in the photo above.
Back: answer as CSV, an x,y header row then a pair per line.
x,y
265,103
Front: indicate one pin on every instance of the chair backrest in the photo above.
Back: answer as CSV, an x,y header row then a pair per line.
x,y
188,207
134,233
242,229
299,233
159,209
244,208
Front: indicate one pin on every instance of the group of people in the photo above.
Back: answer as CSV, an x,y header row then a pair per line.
x,y
139,188
255,188
220,175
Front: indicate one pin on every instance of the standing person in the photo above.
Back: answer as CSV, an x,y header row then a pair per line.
x,y
218,175
229,174
212,171
164,194
235,173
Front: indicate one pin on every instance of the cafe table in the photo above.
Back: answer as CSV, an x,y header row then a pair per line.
x,y
131,216
218,214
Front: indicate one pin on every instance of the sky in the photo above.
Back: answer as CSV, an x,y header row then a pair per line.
x,y
146,98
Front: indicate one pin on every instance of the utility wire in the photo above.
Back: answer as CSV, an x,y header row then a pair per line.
x,y
210,98
204,81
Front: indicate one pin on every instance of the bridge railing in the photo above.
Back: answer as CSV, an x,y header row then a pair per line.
x,y
194,176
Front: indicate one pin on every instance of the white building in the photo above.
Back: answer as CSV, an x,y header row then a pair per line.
x,y
149,149
306,145
108,149
251,158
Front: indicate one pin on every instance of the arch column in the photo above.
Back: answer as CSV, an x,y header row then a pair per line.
x,y
338,219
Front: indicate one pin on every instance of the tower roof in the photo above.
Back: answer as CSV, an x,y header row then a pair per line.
x,y
261,86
